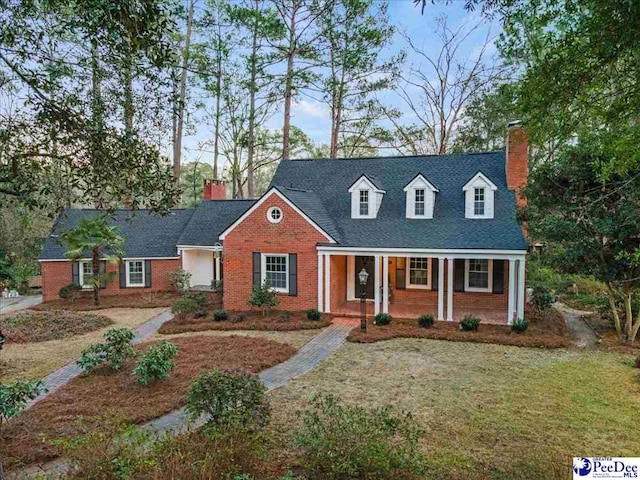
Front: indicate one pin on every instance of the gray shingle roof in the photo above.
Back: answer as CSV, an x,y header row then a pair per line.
x,y
146,235
210,219
330,180
311,204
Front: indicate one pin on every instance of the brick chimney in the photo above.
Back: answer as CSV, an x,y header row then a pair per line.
x,y
517,166
214,190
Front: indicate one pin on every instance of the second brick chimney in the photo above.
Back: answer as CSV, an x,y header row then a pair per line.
x,y
214,190
517,166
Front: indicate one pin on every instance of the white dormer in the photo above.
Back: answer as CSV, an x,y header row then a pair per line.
x,y
420,198
366,198
478,197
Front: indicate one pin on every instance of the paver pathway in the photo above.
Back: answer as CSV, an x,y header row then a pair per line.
x,y
582,333
64,375
308,357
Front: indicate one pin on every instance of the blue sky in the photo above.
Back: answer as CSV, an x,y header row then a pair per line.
x,y
312,116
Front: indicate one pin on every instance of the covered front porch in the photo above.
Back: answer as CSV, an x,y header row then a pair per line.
x,y
204,263
407,283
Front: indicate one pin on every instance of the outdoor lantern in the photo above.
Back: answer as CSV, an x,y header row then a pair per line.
x,y
363,275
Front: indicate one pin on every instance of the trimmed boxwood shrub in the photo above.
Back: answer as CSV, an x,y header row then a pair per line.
x,y
426,321
470,323
520,325
184,305
70,291
220,315
382,319
313,315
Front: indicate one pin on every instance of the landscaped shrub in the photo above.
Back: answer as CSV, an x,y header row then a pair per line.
x,y
470,323
201,312
113,352
32,326
184,305
382,319
541,298
229,398
313,315
238,317
180,280
199,298
220,315
520,325
338,441
426,321
14,397
264,297
156,363
70,291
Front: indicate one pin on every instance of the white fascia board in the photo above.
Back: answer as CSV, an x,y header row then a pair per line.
x,y
433,252
274,191
363,179
421,178
212,248
104,258
479,176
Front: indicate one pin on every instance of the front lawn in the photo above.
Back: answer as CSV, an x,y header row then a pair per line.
x,y
248,320
489,411
27,439
31,326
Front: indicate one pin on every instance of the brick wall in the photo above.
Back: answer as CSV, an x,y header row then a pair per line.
x,y
293,234
56,275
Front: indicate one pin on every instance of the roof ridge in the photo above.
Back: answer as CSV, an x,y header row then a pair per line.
x,y
398,157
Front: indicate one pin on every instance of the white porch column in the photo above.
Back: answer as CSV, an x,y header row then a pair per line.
x,y
376,285
327,283
450,289
441,288
521,277
385,284
320,281
218,275
512,291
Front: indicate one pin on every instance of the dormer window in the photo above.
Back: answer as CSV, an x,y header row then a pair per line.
x,y
479,193
421,198
366,198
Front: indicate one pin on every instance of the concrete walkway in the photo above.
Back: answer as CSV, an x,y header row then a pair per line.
x,y
64,375
9,305
582,333
307,358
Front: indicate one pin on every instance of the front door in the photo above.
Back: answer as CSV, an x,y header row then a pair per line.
x,y
368,264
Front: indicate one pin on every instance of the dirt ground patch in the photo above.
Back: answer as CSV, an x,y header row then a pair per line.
x,y
489,411
36,360
546,330
134,300
31,326
27,439
253,321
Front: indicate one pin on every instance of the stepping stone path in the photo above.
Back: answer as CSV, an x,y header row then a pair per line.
x,y
582,333
64,375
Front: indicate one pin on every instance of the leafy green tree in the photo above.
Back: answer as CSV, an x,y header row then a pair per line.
x,y
192,176
95,238
263,297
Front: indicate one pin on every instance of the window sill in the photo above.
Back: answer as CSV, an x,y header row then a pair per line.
x,y
477,290
418,287
135,286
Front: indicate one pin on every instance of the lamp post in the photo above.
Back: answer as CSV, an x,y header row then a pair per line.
x,y
363,275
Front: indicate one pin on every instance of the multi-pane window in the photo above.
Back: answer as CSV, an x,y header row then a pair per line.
x,y
478,201
275,271
419,271
419,203
364,202
478,274
135,270
86,273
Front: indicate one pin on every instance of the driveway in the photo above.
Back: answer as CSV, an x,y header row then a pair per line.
x,y
8,305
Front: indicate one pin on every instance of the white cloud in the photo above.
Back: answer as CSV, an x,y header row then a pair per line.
x,y
312,109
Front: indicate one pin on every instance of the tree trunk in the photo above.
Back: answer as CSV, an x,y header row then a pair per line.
x,y
96,115
177,145
252,111
614,310
288,89
216,137
96,275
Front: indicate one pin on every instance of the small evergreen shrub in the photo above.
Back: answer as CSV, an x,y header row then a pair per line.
x,y
201,312
426,321
313,315
156,363
382,319
180,280
263,297
229,399
520,325
184,305
238,317
70,291
470,323
198,297
113,352
541,298
220,315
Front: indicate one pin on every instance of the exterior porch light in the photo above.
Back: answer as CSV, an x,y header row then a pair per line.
x,y
363,276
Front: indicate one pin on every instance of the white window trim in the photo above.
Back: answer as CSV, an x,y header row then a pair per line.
x,y
81,273
263,269
489,288
408,283
375,197
420,183
135,285
270,211
480,180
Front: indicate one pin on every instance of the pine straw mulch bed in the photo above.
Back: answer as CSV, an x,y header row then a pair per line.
x,y
27,438
31,326
603,325
253,321
135,300
546,330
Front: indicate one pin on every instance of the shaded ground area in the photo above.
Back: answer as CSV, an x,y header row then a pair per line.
x,y
489,411
31,326
135,300
27,439
37,360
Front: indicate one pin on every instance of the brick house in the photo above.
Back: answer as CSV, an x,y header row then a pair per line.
x,y
436,234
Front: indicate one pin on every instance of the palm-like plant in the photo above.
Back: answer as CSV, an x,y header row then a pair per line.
x,y
94,235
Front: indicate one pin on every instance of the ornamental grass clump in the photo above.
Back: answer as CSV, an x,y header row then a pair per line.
x,y
520,325
470,323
